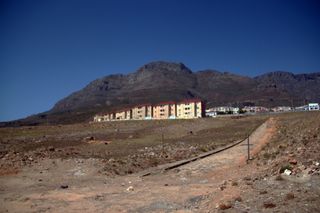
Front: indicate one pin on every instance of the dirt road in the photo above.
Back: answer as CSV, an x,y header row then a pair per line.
x,y
74,185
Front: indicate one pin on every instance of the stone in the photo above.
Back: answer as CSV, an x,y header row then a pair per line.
x,y
64,186
287,172
293,161
224,205
269,204
247,178
289,196
130,188
222,188
51,148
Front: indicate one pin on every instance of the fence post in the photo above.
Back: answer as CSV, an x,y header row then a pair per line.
x,y
248,142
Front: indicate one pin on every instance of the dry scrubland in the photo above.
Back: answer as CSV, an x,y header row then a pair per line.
x,y
84,167
136,144
295,146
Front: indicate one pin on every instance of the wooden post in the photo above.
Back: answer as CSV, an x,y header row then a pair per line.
x,y
162,141
248,141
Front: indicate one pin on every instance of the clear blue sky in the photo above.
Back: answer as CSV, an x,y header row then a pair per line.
x,y
49,49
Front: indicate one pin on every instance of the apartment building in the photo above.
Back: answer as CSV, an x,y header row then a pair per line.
x,y
149,112
224,110
120,115
313,106
165,110
187,109
128,114
138,112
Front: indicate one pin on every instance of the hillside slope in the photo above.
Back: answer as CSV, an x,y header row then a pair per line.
x,y
164,81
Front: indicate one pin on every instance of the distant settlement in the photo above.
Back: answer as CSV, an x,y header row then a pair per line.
x,y
186,109
191,109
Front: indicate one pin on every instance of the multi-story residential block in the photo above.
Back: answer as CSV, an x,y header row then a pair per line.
x,y
163,110
149,112
128,114
166,110
139,112
120,115
189,109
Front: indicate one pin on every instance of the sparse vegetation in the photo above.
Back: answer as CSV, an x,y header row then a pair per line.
x,y
136,144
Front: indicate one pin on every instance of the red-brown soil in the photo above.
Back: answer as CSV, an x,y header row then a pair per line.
x,y
221,182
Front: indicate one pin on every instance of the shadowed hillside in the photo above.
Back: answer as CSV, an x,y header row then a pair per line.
x,y
164,81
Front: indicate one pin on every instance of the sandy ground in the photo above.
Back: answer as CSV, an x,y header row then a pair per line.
x,y
198,186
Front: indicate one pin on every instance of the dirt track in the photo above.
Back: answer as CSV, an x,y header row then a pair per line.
x,y
187,188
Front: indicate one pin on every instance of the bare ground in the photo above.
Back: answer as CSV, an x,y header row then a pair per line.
x,y
122,147
221,182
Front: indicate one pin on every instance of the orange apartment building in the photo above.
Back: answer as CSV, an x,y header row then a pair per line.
x,y
187,109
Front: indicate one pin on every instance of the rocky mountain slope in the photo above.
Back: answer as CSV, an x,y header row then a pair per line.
x,y
164,81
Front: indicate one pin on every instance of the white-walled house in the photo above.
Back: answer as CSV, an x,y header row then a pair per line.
x,y
313,106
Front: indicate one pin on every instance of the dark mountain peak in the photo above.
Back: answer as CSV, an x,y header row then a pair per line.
x,y
209,72
157,66
166,81
309,76
276,75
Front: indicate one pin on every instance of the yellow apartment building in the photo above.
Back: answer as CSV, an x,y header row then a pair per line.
x,y
161,111
139,112
121,115
187,109
149,112
128,114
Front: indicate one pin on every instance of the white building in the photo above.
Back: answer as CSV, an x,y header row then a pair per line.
x,y
212,114
255,109
224,109
281,109
313,106
302,108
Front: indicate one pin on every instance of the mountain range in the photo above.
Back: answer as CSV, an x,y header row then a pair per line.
x,y
165,81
